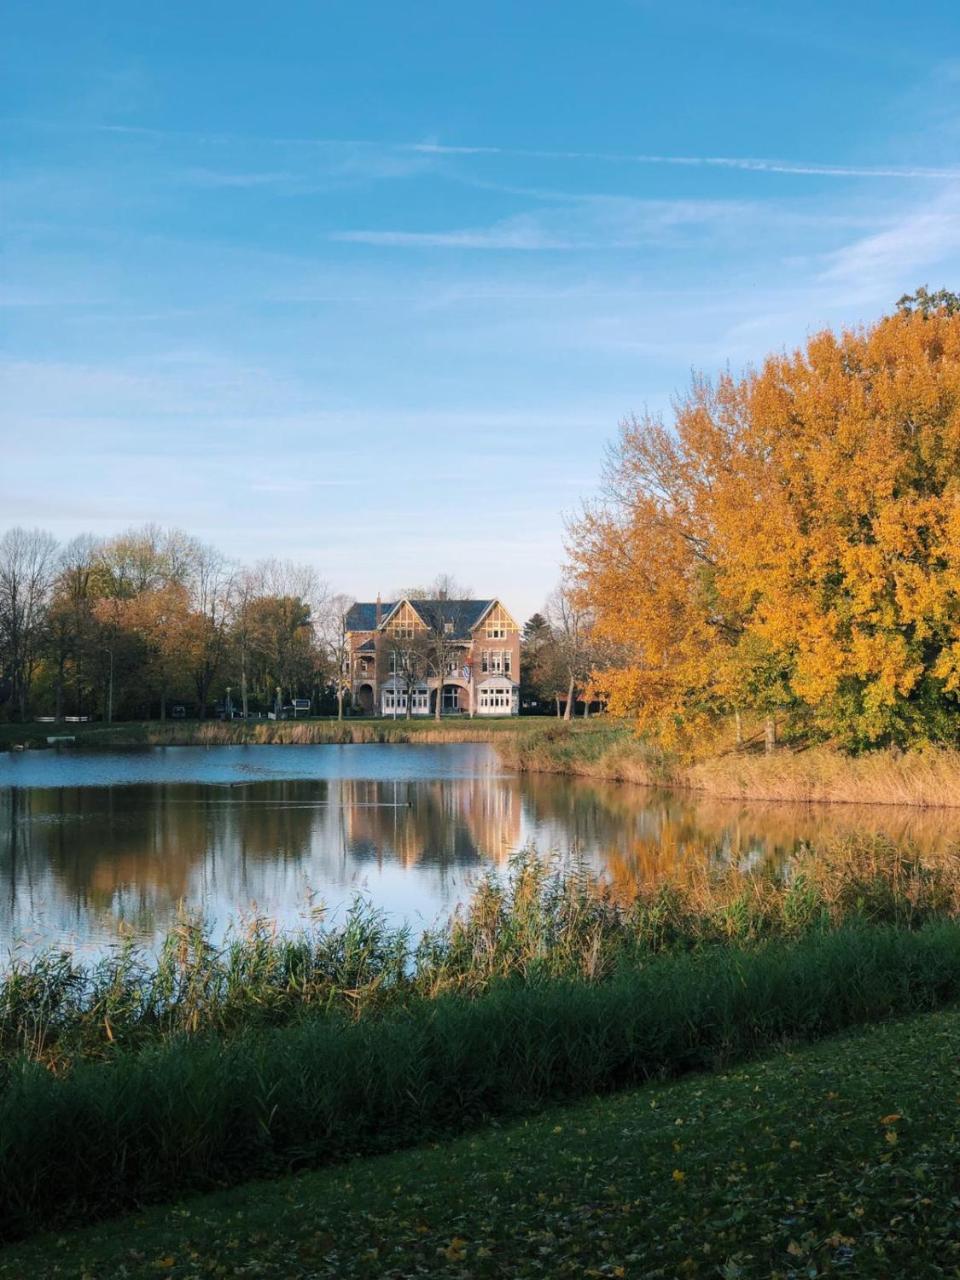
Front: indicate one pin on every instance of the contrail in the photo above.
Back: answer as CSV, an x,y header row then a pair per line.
x,y
751,164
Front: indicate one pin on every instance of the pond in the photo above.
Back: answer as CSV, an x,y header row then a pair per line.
x,y
95,843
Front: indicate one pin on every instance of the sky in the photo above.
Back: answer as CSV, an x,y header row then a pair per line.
x,y
370,285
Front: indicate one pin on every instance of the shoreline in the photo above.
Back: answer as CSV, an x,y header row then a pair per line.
x,y
215,733
924,778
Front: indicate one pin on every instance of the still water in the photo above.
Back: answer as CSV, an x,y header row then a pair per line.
x,y
95,843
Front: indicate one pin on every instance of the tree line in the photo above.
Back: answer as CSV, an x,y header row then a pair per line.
x,y
134,625
128,626
787,549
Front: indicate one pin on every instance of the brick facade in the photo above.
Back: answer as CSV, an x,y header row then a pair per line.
x,y
396,648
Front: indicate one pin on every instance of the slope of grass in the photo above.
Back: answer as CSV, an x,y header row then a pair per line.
x,y
838,1160
200,1113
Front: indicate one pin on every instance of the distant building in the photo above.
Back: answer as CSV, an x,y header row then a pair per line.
x,y
480,643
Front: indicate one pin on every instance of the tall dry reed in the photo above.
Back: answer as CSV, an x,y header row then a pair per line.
x,y
540,923
927,777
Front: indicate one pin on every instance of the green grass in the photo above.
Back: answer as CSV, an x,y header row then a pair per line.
x,y
837,1160
305,730
195,1114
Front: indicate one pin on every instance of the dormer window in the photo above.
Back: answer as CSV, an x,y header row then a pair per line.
x,y
448,628
496,631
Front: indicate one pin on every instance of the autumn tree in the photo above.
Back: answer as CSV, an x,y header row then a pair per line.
x,y
163,621
571,624
788,546
205,632
336,640
927,303
70,624
28,563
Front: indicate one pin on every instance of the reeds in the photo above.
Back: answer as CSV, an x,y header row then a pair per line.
x,y
927,777
309,732
541,923
202,1111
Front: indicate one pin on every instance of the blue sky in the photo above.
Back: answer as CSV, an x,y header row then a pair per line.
x,y
370,285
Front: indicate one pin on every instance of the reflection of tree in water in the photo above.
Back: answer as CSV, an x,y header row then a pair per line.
x,y
134,853
75,861
440,823
639,836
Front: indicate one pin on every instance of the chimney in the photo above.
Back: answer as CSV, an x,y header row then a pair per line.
x,y
379,610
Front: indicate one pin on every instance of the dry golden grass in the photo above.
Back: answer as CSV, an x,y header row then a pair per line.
x,y
927,777
221,733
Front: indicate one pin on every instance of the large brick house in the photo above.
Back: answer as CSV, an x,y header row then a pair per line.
x,y
397,648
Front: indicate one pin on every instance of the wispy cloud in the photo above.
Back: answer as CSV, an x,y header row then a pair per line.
x,y
918,238
431,147
573,223
214,178
746,163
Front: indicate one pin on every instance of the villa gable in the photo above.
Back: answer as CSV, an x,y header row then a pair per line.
x,y
478,641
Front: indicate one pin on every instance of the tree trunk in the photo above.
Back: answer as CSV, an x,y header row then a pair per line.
x,y
163,705
58,710
556,698
769,734
110,692
243,685
586,708
339,700
738,725
568,709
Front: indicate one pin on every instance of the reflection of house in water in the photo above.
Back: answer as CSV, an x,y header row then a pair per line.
x,y
440,821
76,861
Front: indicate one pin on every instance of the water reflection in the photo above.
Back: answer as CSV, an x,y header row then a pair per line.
x,y
411,826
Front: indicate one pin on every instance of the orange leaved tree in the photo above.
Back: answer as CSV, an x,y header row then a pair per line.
x,y
790,545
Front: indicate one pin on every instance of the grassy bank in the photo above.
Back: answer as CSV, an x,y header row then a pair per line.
x,y
209,733
928,777
541,924
199,1113
827,1161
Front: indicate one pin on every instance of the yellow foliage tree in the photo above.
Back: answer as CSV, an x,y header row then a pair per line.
x,y
792,543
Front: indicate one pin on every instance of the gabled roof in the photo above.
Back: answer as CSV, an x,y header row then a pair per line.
x,y
368,646
363,617
464,614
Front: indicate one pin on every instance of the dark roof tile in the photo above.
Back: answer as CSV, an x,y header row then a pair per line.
x,y
464,614
363,616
